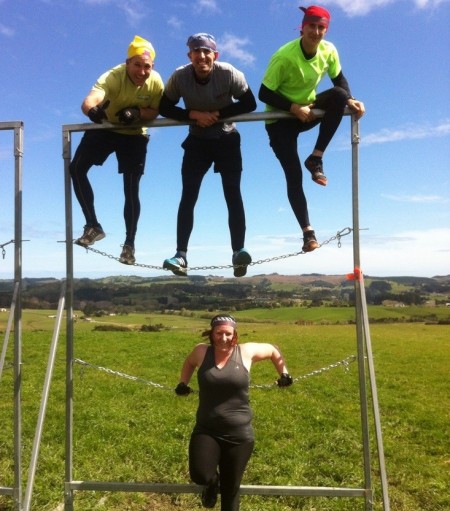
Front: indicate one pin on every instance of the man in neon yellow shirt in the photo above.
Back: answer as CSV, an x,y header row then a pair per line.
x,y
126,94
289,85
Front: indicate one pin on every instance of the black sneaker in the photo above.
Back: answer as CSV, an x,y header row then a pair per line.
x,y
241,259
309,241
209,494
177,265
315,166
90,236
127,255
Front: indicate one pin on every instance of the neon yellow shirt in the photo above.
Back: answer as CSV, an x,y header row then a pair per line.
x,y
294,77
122,93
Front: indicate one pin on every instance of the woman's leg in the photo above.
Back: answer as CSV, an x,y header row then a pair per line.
x,y
232,465
204,456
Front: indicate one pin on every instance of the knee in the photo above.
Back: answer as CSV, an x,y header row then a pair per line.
x,y
340,97
198,477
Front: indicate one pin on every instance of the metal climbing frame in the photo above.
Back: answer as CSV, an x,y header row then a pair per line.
x,y
365,358
16,312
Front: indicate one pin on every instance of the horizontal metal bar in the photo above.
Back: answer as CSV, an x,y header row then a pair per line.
x,y
194,488
10,125
164,122
6,491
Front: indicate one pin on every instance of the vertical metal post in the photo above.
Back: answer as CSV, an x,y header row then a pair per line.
x,y
18,153
68,493
375,405
44,402
359,323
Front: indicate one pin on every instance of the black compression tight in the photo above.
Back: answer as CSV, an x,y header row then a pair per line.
x,y
206,454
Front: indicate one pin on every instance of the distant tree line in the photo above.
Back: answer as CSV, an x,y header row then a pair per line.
x,y
125,294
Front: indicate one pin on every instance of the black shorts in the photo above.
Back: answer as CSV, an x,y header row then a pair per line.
x,y
224,152
131,150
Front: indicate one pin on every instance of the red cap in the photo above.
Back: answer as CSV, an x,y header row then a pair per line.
x,y
315,14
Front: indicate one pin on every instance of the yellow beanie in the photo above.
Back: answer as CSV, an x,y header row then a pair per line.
x,y
140,46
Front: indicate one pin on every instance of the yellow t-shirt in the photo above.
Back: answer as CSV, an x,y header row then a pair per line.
x,y
122,93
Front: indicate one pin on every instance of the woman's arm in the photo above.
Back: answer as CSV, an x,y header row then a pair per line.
x,y
257,351
193,360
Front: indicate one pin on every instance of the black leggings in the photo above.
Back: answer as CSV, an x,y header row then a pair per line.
x,y
207,453
283,136
79,168
231,184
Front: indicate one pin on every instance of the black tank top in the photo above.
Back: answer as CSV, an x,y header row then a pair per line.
x,y
224,410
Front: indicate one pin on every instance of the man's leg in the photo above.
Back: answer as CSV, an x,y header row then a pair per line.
x,y
79,168
93,149
283,140
333,101
132,206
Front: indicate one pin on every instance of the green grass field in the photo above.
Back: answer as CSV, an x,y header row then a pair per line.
x,y
306,435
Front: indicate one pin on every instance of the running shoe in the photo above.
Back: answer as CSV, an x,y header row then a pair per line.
x,y
90,236
241,259
177,265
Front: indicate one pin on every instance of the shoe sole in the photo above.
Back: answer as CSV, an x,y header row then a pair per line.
x,y
320,180
97,238
242,260
176,270
310,246
127,261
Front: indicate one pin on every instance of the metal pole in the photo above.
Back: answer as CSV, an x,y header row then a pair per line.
x,y
8,327
71,485
359,326
18,153
68,496
44,401
375,405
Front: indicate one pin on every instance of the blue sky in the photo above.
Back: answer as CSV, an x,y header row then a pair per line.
x,y
395,56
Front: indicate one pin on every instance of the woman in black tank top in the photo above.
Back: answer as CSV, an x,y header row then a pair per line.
x,y
222,440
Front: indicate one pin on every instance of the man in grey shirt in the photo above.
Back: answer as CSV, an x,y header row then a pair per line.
x,y
211,91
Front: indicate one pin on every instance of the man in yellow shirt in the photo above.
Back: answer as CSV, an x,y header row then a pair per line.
x,y
126,94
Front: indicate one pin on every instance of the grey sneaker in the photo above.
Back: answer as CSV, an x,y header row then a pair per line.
x,y
127,255
309,241
315,166
241,259
90,236
177,265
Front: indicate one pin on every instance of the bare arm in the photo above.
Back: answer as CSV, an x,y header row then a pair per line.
x,y
255,352
94,98
193,360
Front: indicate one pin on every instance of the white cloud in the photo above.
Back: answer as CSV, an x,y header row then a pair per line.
x,y
363,7
407,132
6,31
211,5
174,22
234,46
419,199
132,9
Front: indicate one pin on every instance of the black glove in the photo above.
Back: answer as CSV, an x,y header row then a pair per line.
x,y
285,380
97,113
129,115
182,389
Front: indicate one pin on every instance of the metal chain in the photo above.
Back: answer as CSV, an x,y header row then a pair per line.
x,y
338,236
345,363
122,375
3,247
